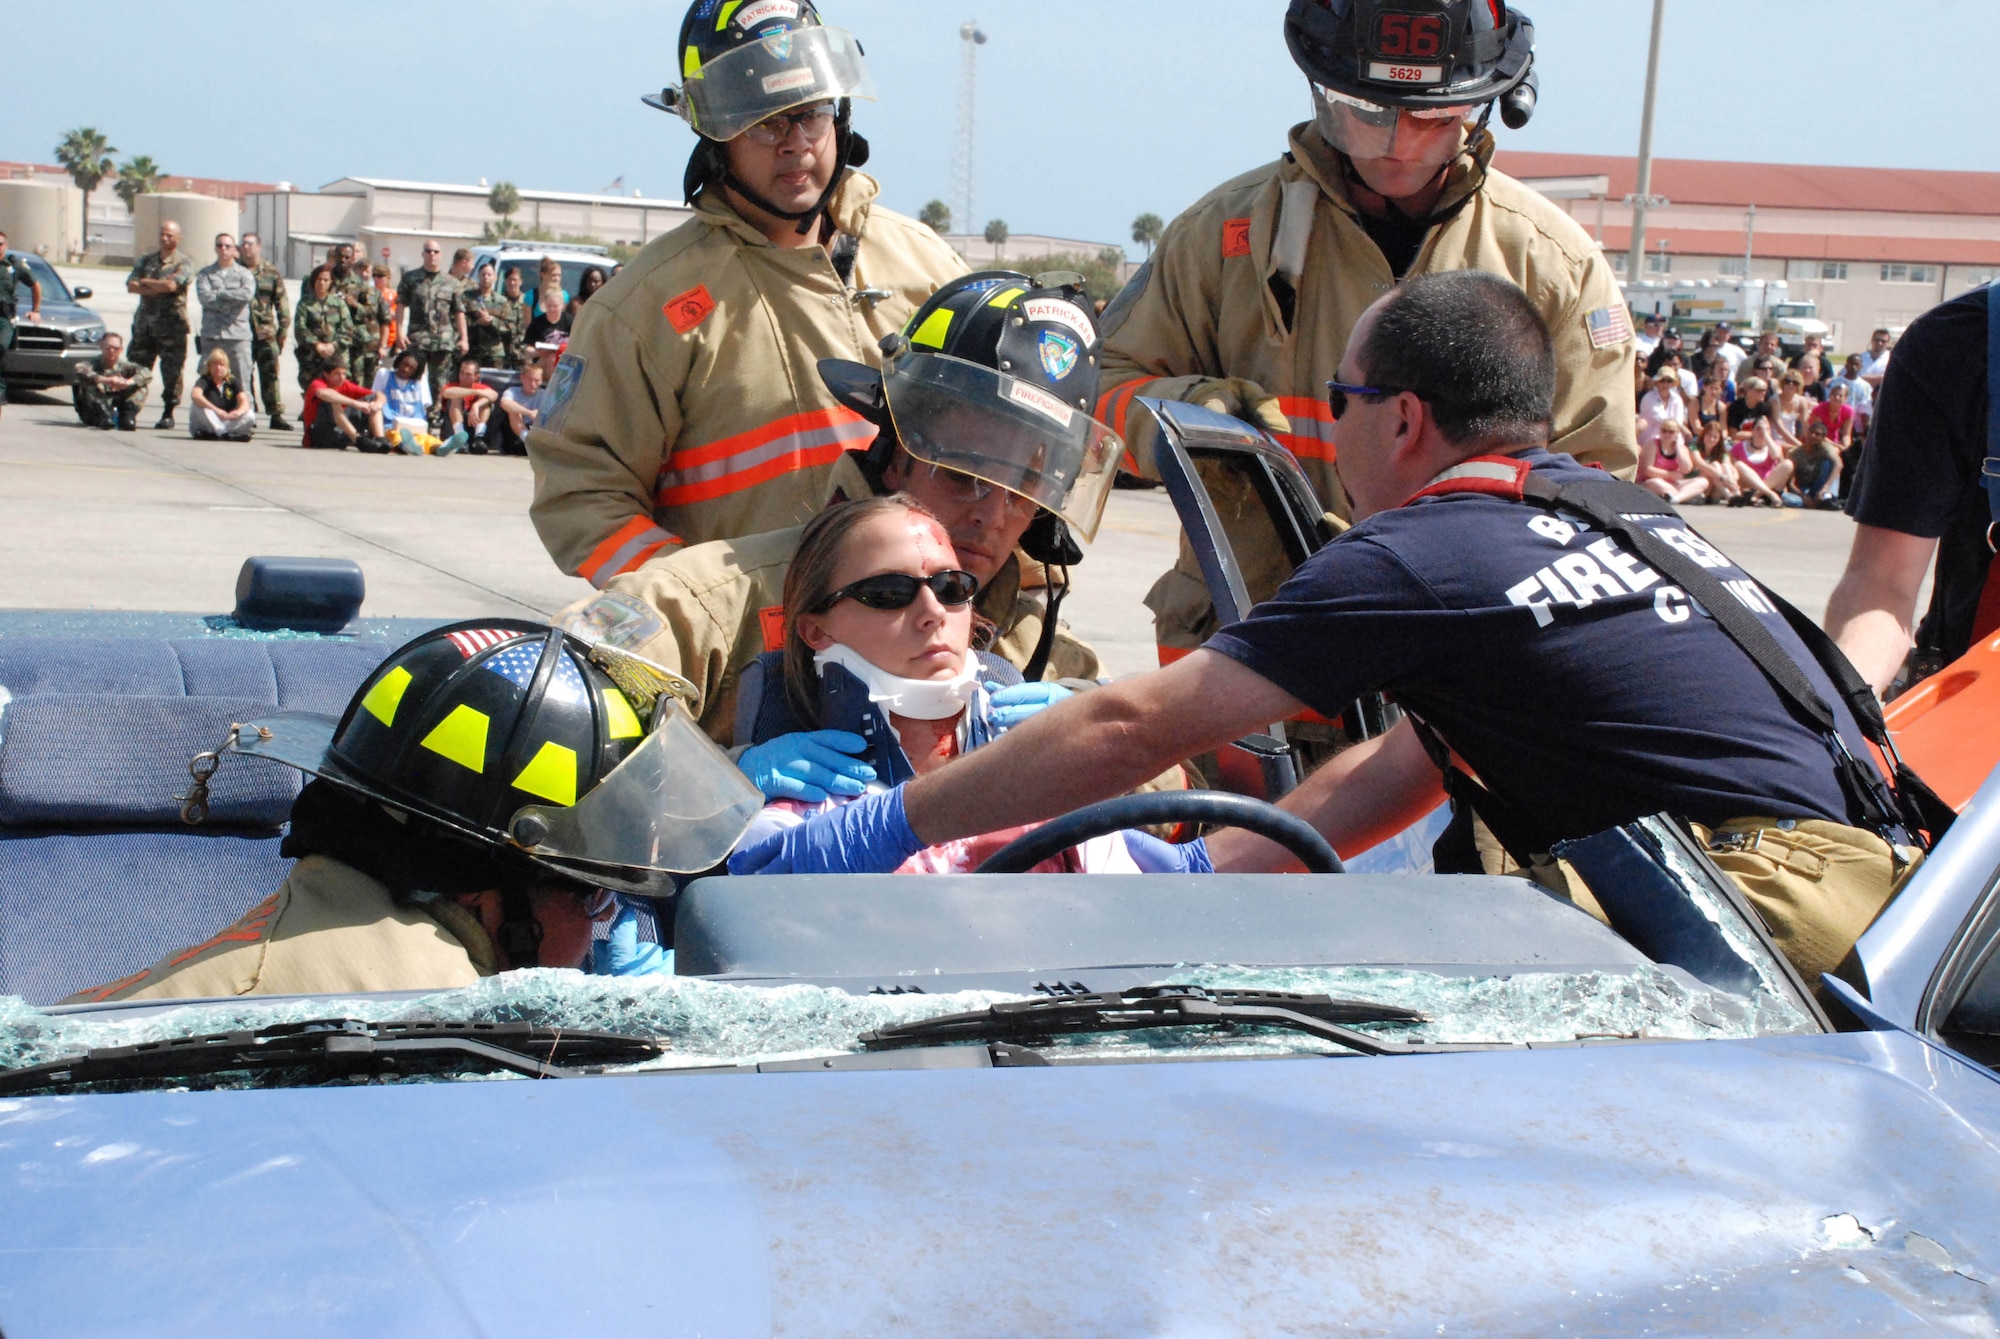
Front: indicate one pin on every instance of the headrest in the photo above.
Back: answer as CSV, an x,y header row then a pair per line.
x,y
98,759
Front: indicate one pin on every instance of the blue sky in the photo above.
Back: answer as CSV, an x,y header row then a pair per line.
x,y
1090,111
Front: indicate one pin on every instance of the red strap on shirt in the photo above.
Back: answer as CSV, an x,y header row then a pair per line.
x,y
1495,476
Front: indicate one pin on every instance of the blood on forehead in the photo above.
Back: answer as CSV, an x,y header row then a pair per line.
x,y
933,544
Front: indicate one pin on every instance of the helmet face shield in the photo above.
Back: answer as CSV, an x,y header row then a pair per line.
x,y
1363,129
1006,431
731,92
676,805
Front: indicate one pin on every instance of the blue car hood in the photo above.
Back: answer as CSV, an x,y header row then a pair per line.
x,y
1800,1185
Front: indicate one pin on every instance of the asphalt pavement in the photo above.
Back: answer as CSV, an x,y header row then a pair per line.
x,y
155,520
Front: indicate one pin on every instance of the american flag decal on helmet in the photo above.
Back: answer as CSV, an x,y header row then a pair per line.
x,y
471,641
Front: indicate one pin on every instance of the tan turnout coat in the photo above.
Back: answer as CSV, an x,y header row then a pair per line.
x,y
689,404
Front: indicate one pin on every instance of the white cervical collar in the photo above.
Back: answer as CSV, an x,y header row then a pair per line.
x,y
917,699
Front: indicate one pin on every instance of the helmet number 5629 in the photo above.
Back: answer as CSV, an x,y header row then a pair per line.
x,y
1403,34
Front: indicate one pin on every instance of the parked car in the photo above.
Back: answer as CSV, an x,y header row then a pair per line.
x,y
527,257
47,355
993,1104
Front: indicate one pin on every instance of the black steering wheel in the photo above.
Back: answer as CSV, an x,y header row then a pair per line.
x,y
1167,806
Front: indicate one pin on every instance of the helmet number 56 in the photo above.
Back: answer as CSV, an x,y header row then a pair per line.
x,y
1410,35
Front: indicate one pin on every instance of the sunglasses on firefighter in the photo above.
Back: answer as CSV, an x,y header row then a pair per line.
x,y
898,590
1338,391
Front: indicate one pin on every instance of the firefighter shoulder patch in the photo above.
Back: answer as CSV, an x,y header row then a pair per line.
x,y
1608,326
690,309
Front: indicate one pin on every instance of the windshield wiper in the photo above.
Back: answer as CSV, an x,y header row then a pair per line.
x,y
340,1048
1027,1021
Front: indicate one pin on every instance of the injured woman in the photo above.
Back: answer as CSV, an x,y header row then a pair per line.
x,y
879,682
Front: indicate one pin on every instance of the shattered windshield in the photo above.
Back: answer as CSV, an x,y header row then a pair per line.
x,y
705,1023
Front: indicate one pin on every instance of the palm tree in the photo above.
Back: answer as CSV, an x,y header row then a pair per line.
x,y
936,216
503,200
87,156
1146,230
996,235
136,177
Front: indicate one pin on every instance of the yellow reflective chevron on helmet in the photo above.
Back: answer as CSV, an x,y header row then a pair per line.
x,y
461,737
1005,297
931,334
722,15
691,64
551,774
620,721
387,695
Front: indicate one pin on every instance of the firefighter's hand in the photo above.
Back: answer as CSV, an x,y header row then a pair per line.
x,y
870,835
622,954
810,766
1018,702
1154,856
1239,399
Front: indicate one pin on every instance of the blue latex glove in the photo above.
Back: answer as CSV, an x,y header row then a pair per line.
x,y
866,836
808,766
1154,856
623,955
1017,703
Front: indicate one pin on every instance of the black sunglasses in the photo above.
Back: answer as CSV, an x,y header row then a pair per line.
x,y
898,590
1338,391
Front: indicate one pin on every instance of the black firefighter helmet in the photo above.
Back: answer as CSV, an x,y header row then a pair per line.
x,y
525,740
745,61
995,377
1416,55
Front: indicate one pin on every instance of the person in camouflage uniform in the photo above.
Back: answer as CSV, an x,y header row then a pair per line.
x,y
433,316
270,323
160,326
16,280
111,391
517,316
321,325
364,313
489,321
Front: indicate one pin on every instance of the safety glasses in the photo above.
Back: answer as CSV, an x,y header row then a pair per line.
x,y
814,121
1338,391
596,903
898,590
966,488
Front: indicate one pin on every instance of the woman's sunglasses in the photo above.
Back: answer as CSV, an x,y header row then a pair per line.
x,y
898,590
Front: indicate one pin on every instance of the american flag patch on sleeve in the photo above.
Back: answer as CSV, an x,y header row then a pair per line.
x,y
1608,326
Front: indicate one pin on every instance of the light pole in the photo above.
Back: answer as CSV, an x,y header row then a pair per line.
x,y
974,38
1642,196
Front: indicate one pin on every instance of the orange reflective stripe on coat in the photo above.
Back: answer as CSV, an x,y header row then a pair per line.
x,y
795,442
627,547
1113,406
1311,437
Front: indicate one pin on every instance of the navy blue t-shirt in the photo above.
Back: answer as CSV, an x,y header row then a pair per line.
x,y
1579,684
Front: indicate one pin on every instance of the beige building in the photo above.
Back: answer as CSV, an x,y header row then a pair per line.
x,y
1872,246
391,219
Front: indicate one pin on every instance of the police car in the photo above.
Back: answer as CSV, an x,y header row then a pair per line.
x,y
1376,1100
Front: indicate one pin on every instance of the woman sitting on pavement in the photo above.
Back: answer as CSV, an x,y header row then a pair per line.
x,y
1662,403
878,658
1714,463
1666,465
1761,467
222,412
